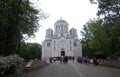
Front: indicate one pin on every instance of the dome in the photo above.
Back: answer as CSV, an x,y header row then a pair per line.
x,y
61,22
73,32
73,29
61,26
49,29
49,32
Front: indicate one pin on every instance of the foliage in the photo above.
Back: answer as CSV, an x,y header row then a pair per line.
x,y
111,11
18,21
96,39
86,37
31,51
9,63
105,32
93,37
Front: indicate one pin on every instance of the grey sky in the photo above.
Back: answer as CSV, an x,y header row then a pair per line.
x,y
75,12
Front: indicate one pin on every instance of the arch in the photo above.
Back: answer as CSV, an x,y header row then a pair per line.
x,y
62,52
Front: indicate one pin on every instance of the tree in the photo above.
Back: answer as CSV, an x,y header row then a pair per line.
x,y
18,20
95,39
109,12
31,51
86,37
99,40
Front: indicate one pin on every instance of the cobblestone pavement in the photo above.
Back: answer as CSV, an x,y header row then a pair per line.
x,y
76,70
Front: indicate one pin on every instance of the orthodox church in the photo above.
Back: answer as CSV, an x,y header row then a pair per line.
x,y
61,41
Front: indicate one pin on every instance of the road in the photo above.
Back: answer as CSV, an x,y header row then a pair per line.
x,y
76,70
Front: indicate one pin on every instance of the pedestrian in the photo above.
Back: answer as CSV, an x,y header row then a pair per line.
x,y
61,60
50,60
73,58
54,59
95,63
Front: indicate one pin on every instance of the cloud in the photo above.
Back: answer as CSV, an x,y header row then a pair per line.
x,y
75,12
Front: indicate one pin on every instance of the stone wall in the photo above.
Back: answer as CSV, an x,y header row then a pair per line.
x,y
112,63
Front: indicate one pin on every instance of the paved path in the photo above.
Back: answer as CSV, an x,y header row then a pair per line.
x,y
76,70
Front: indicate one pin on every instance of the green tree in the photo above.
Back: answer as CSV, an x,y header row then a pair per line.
x,y
18,20
95,38
109,12
86,37
31,51
99,40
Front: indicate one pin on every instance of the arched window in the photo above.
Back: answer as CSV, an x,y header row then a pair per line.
x,y
54,41
75,43
54,48
61,27
73,31
70,48
48,44
70,41
61,34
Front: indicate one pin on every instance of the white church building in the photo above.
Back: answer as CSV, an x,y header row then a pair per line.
x,y
61,41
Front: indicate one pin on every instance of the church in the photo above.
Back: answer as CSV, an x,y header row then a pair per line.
x,y
61,41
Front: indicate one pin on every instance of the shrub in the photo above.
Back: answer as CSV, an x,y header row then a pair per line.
x,y
10,63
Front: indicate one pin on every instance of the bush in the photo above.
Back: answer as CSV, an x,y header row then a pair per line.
x,y
9,63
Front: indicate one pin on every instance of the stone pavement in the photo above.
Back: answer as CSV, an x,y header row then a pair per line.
x,y
76,70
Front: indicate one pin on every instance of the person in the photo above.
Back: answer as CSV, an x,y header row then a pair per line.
x,y
73,58
79,59
95,62
61,60
54,59
91,61
65,59
50,60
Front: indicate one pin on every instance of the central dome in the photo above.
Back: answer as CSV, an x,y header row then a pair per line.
x,y
61,26
61,22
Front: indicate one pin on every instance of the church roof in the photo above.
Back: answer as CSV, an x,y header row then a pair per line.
x,y
49,29
72,29
61,21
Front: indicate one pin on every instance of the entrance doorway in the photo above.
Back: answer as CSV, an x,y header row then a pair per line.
x,y
62,53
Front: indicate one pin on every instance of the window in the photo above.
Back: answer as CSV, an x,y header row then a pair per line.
x,y
70,48
73,31
54,48
62,27
48,44
54,41
61,34
70,41
75,43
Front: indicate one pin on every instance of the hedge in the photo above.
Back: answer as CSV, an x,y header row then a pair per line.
x,y
10,63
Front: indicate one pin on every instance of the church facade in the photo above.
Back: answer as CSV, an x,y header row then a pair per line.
x,y
61,41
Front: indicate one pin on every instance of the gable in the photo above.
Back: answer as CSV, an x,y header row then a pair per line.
x,y
62,38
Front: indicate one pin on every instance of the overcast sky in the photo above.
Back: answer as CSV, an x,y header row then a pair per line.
x,y
75,12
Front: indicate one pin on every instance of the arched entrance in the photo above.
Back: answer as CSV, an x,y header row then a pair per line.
x,y
62,52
